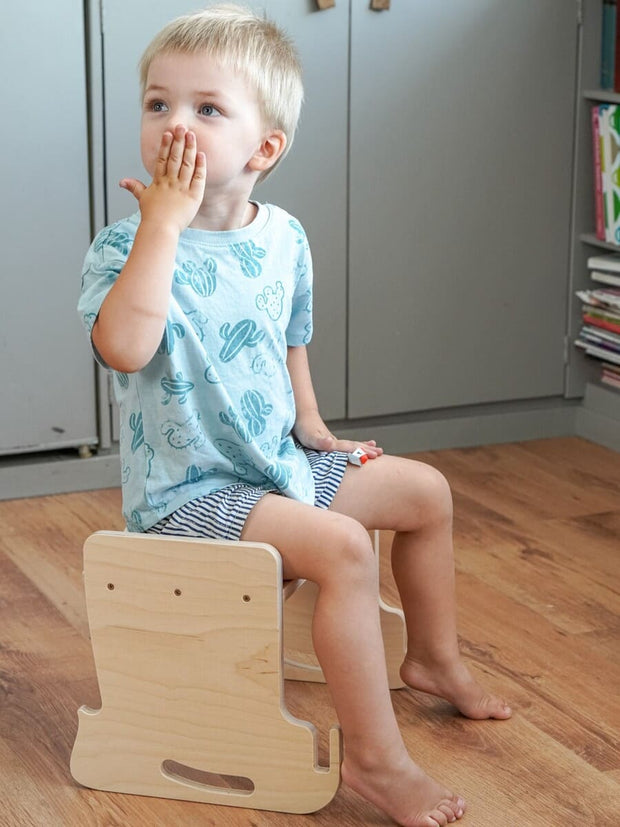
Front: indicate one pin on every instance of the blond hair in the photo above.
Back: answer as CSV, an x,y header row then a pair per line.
x,y
249,44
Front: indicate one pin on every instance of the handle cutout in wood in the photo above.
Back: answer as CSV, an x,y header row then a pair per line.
x,y
325,4
226,784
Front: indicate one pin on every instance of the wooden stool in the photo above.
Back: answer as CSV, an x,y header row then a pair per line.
x,y
187,637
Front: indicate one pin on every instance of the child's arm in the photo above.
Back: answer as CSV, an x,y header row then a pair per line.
x,y
132,318
309,428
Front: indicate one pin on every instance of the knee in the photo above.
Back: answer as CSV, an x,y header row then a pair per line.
x,y
432,497
354,556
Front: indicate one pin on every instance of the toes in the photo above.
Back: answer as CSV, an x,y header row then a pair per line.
x,y
490,707
500,709
448,812
453,810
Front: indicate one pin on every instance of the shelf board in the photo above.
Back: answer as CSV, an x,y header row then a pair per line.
x,y
602,96
590,238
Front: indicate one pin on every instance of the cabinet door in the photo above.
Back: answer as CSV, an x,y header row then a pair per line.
x,y
461,144
311,183
48,384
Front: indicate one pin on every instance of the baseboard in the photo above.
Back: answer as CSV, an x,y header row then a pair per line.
x,y
598,418
40,475
465,427
57,473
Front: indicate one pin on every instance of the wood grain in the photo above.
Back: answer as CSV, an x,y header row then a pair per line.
x,y
537,540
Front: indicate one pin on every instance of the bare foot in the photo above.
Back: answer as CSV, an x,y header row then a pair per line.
x,y
456,684
404,792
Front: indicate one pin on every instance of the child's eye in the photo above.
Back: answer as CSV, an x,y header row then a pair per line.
x,y
155,106
208,110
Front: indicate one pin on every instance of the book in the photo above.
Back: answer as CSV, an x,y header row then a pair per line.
x,y
608,45
609,299
608,263
605,278
604,112
606,321
598,352
598,188
614,173
600,337
607,172
617,52
610,375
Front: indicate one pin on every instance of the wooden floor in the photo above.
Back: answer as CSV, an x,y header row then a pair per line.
x,y
537,533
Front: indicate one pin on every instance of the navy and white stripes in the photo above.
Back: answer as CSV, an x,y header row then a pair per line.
x,y
222,514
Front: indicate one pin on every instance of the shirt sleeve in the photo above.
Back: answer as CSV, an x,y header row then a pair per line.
x,y
103,263
299,330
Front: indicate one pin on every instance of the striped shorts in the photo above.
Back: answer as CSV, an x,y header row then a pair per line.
x,y
222,514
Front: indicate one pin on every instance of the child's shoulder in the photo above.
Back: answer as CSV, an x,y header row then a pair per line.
x,y
279,217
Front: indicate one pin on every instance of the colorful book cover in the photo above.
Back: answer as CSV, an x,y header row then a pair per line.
x,y
603,122
597,318
608,45
609,126
598,188
596,336
614,171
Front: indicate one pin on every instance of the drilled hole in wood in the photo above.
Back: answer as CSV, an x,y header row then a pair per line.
x,y
111,586
194,777
178,592
246,598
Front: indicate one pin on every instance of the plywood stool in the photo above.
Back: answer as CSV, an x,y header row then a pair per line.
x,y
187,637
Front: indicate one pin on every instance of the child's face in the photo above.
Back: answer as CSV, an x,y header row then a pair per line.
x,y
212,101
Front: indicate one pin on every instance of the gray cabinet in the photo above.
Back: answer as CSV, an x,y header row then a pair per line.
x,y
432,171
312,182
48,385
461,154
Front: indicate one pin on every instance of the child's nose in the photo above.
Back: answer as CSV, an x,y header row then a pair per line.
x,y
173,120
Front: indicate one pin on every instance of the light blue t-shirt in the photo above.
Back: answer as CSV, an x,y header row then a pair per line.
x,y
215,405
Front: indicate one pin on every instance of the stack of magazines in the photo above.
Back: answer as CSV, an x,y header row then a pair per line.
x,y
600,333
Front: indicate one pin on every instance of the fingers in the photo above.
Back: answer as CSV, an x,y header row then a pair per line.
x,y
176,150
199,176
161,165
132,185
370,448
177,155
348,446
188,157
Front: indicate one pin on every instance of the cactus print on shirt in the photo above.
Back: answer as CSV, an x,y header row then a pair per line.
x,y
214,406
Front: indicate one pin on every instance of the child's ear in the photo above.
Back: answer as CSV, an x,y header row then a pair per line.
x,y
269,150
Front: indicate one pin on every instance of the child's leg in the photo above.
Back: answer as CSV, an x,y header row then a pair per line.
x,y
335,552
414,500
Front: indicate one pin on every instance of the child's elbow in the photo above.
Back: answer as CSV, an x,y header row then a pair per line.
x,y
120,356
123,364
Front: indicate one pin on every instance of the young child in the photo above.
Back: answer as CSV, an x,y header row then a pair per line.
x,y
201,305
